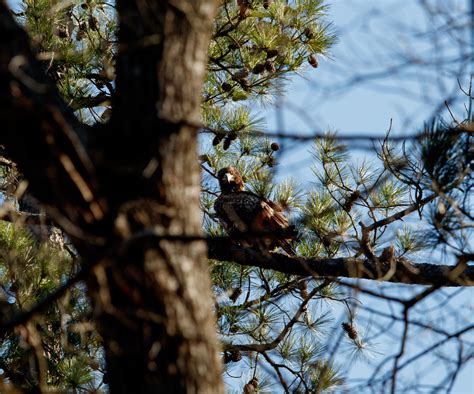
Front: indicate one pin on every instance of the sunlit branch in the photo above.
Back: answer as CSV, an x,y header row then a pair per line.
x,y
406,271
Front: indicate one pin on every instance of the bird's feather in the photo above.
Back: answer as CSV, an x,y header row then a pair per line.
x,y
255,220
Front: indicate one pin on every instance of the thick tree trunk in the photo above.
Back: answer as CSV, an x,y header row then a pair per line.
x,y
154,298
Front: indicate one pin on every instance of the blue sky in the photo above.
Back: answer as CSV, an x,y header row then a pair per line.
x,y
318,102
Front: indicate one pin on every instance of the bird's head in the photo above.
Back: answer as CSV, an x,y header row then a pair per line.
x,y
230,180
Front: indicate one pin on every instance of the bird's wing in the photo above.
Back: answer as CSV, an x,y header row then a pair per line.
x,y
237,211
271,218
245,212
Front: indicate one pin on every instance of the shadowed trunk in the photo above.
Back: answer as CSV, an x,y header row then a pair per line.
x,y
154,298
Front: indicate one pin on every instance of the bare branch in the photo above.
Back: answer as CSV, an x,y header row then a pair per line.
x,y
348,267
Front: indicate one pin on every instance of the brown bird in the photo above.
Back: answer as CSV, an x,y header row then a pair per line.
x,y
251,219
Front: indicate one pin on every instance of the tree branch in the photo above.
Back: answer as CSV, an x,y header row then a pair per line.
x,y
90,102
262,347
9,213
405,271
24,316
401,214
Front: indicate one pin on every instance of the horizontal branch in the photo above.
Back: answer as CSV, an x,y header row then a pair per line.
x,y
397,271
352,136
100,100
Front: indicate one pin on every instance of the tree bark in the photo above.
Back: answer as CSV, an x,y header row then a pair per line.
x,y
155,298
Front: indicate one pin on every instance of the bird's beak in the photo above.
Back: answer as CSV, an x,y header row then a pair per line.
x,y
229,177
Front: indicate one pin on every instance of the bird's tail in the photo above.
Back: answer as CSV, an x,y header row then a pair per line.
x,y
285,244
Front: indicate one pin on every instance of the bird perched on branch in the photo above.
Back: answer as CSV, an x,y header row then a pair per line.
x,y
250,219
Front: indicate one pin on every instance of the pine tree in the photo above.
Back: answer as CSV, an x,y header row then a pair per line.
x,y
273,323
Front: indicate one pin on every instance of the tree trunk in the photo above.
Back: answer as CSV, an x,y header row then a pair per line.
x,y
153,297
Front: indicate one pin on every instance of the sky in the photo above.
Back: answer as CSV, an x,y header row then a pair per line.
x,y
319,101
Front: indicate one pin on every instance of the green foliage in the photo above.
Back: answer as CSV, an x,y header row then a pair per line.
x,y
250,50
330,219
323,377
407,241
443,154
440,165
77,374
58,347
75,40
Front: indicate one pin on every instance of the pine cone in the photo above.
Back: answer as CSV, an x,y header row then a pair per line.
x,y
93,23
217,139
272,53
270,66
308,32
226,144
232,356
251,387
235,294
349,203
241,74
226,87
275,146
387,254
312,59
351,331
259,68
303,287
244,6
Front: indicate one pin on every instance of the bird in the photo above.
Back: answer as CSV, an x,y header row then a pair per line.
x,y
253,221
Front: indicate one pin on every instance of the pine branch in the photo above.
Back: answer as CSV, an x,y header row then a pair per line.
x,y
402,270
26,216
401,214
24,316
5,162
262,347
14,216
